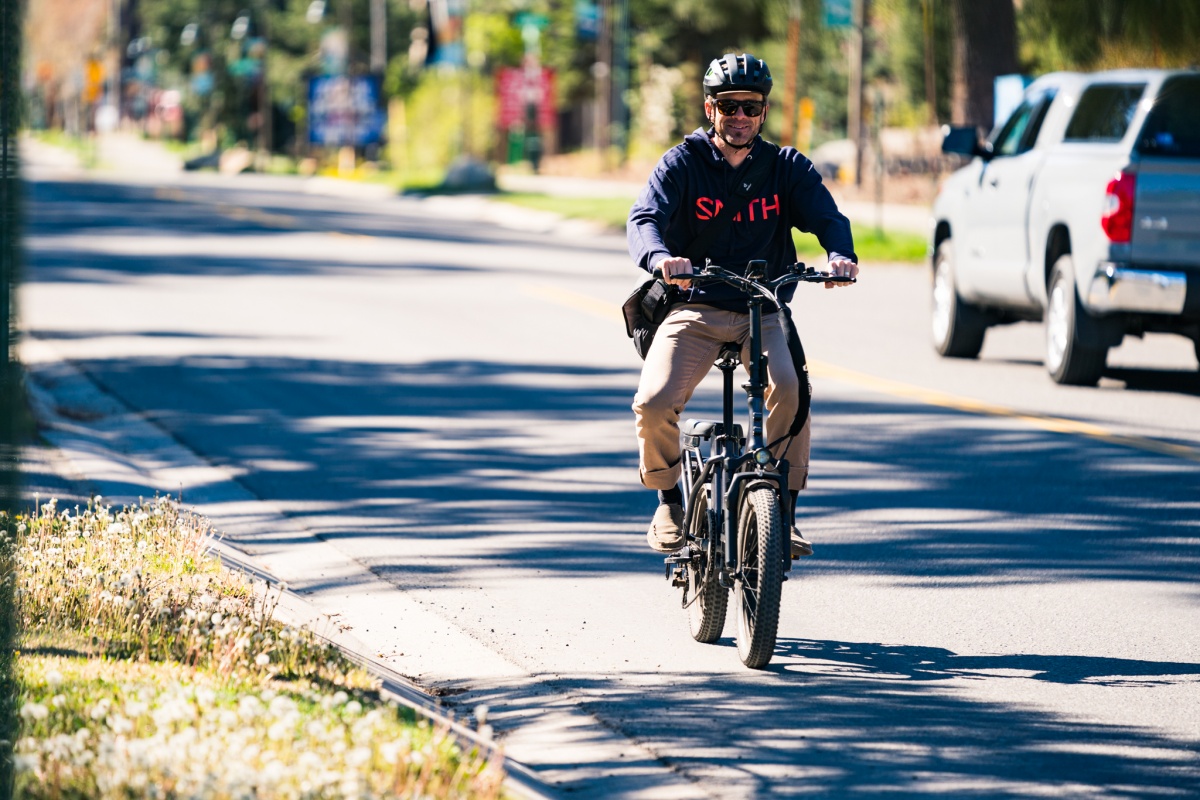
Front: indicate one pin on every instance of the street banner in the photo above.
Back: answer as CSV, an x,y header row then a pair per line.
x,y
517,89
345,111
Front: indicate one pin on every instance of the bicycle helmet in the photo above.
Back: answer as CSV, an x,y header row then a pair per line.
x,y
743,73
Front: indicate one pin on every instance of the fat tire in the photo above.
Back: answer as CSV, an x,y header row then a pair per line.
x,y
758,588
958,327
706,614
1070,359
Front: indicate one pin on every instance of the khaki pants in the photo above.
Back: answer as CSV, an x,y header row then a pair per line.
x,y
684,349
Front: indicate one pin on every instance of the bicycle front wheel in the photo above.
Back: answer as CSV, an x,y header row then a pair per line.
x,y
709,599
758,588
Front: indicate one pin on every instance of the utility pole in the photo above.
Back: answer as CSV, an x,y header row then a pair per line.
x,y
265,109
378,37
602,72
930,71
790,79
858,58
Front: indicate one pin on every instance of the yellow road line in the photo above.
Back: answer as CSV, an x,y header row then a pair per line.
x,y
928,396
243,214
575,300
239,213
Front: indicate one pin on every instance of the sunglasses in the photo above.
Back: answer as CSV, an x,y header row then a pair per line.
x,y
751,108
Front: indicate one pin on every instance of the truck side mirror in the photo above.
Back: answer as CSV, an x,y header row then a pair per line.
x,y
964,141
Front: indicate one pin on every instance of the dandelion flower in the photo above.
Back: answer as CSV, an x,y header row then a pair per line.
x,y
34,711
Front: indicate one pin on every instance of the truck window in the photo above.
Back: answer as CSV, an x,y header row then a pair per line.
x,y
1172,128
1104,112
1021,130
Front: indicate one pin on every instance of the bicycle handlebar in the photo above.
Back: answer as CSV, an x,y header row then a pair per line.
x,y
798,273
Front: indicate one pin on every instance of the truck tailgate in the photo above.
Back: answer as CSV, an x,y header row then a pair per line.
x,y
1166,208
1166,213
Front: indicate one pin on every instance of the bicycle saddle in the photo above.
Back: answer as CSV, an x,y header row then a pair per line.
x,y
698,430
730,354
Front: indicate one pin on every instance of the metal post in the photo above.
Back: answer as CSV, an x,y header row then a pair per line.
x,y
621,80
265,108
378,37
602,70
11,400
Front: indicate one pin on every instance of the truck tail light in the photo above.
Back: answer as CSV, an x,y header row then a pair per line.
x,y
1117,218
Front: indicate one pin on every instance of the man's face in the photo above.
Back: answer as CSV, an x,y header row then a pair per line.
x,y
729,117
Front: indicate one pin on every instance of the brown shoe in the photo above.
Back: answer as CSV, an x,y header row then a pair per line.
x,y
666,529
800,545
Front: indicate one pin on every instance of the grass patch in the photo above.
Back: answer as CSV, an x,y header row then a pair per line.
x,y
870,246
82,147
147,669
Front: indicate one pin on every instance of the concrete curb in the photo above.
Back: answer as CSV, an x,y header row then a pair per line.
x,y
294,610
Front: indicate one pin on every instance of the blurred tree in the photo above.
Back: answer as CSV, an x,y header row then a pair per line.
x,y
1093,34
688,34
985,46
200,54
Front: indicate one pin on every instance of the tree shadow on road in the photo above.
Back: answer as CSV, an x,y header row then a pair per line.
x,y
865,720
99,210
536,458
915,663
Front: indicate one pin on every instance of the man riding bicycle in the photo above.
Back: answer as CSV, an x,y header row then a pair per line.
x,y
686,192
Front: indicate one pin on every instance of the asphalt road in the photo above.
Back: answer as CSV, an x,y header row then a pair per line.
x,y
1003,602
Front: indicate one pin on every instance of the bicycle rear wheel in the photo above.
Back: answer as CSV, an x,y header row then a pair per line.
x,y
757,591
709,599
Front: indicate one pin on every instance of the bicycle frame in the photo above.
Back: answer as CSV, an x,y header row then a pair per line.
x,y
742,488
729,453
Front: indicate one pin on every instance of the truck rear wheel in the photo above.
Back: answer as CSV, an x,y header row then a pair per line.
x,y
1071,356
958,326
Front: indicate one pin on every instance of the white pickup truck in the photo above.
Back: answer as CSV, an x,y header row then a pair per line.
x,y
1082,210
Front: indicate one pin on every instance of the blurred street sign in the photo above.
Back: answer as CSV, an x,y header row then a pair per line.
x,y
345,111
525,19
587,20
838,13
335,51
93,80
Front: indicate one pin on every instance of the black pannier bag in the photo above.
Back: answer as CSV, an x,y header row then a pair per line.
x,y
644,310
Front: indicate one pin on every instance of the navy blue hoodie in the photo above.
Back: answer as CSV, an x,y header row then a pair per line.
x,y
688,187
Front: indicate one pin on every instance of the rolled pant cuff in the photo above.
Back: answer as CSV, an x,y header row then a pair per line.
x,y
662,479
